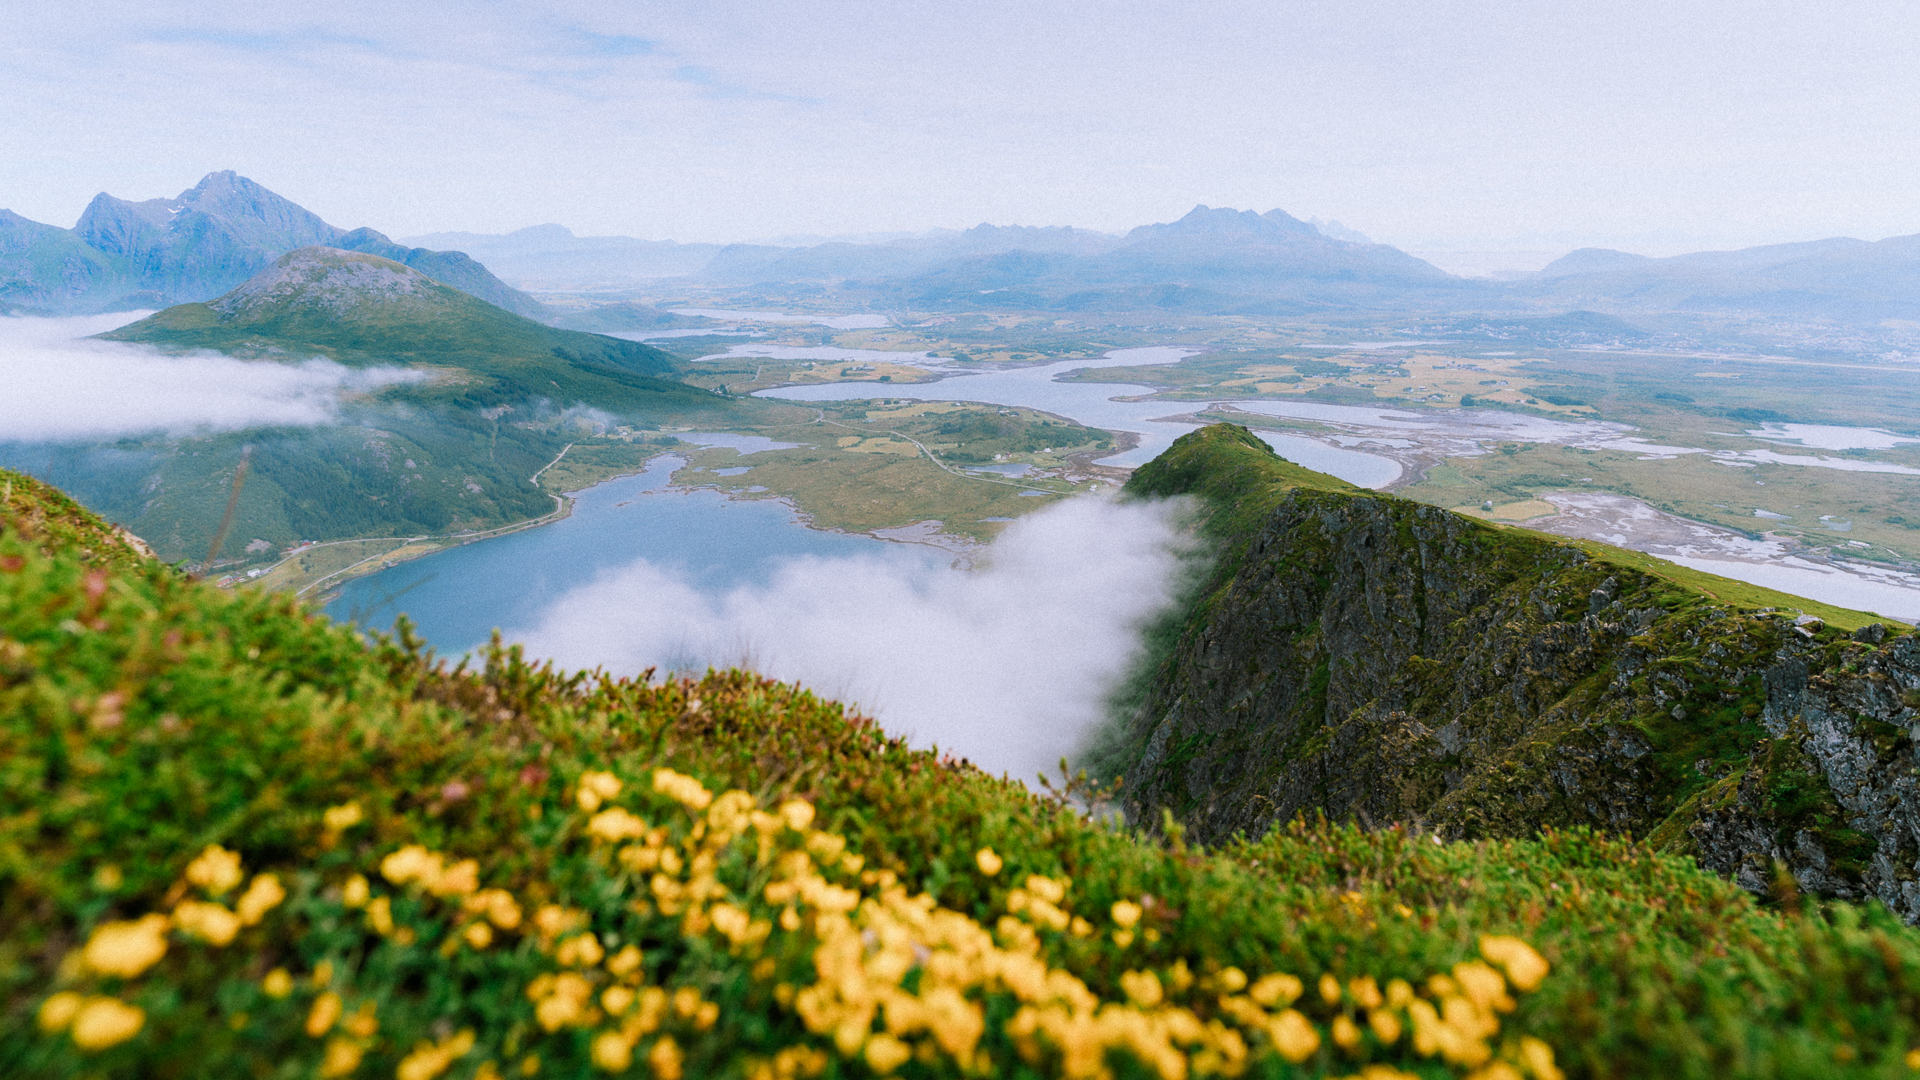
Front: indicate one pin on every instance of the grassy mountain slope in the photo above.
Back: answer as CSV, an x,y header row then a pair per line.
x,y
239,840
361,308
1380,660
455,451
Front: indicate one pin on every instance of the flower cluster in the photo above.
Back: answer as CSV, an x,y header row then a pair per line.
x,y
835,959
124,950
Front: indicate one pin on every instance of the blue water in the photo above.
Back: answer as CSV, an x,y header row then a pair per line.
x,y
1098,405
457,597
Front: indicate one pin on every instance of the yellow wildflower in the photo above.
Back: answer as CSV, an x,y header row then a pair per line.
x,y
596,788
730,814
354,894
1293,1036
1330,991
1497,1070
380,916
615,824
1483,986
1053,892
429,1060
1538,1058
215,869
1346,1033
625,962
343,817
1232,980
127,948
323,974
554,920
560,1000
683,789
207,920
1143,987
1525,967
885,1053
341,1058
277,984
581,951
363,1023
797,814
459,879
612,1052
1272,990
57,1011
262,896
411,863
324,1014
988,862
664,1059
1125,913
616,999
499,905
478,935
104,1021
1365,992
1385,1025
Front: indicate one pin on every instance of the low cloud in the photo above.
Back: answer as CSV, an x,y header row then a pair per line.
x,y
1009,665
62,386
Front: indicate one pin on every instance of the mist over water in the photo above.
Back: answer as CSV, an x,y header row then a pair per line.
x,y
1008,665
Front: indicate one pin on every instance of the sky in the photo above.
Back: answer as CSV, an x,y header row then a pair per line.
x,y
1655,126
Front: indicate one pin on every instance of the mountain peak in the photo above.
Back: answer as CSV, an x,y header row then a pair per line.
x,y
324,278
1209,221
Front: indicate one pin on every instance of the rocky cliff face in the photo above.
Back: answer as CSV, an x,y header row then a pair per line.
x,y
1380,660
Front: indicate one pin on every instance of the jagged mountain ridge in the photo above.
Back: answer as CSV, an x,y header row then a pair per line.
x,y
124,254
1380,660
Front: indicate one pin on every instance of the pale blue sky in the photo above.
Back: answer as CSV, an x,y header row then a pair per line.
x,y
1651,126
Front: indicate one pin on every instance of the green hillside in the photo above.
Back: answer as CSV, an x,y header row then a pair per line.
x,y
240,840
362,310
501,397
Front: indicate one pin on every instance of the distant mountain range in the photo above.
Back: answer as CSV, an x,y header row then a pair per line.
x,y
1211,259
1225,261
123,255
227,228
1842,279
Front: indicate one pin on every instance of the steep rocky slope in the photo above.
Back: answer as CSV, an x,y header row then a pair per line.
x,y
1380,660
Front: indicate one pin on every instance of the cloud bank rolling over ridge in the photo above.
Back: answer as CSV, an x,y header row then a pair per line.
x,y
63,387
1009,666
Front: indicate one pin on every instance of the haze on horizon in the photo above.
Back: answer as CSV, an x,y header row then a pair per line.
x,y
1646,126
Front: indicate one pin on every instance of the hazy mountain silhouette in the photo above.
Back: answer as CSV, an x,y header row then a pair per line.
x,y
213,236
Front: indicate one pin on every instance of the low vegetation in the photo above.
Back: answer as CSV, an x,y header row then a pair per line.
x,y
240,840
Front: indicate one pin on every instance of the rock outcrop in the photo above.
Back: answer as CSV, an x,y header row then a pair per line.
x,y
1380,660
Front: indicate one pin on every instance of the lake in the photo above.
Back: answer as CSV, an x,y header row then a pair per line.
x,y
1094,405
457,597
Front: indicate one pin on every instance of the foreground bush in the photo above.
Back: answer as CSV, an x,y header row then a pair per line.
x,y
238,840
